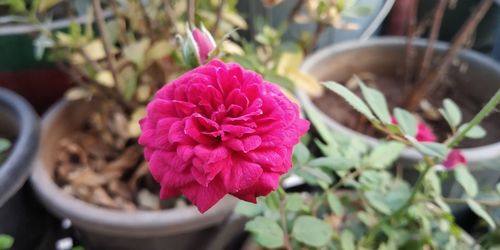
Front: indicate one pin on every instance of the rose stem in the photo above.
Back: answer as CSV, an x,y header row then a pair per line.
x,y
423,87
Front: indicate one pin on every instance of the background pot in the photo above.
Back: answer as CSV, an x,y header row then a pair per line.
x,y
100,228
18,209
368,25
385,56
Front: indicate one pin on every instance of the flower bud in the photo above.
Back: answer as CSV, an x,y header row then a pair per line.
x,y
198,46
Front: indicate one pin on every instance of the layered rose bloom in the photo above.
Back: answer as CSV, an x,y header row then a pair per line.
x,y
220,129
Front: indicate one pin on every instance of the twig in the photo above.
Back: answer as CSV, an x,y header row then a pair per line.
x,y
120,18
190,9
320,28
171,15
436,25
428,83
295,10
484,203
410,49
284,224
218,16
147,20
105,39
87,58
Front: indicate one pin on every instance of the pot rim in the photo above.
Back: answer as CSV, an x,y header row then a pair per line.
x,y
474,154
110,221
17,166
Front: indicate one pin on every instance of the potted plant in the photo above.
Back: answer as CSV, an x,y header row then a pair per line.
x,y
404,69
319,23
18,145
366,206
91,169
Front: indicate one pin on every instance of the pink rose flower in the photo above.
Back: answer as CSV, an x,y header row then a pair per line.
x,y
454,158
220,129
424,132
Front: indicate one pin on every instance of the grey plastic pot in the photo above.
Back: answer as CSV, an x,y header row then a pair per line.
x,y
101,228
367,25
18,210
385,56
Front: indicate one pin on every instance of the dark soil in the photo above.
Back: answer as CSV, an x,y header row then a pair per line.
x,y
394,89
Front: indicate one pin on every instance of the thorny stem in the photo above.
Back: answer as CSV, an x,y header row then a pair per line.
x,y
284,224
485,111
105,39
218,16
436,25
428,82
410,49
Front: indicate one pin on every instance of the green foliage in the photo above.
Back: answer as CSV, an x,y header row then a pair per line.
x,y
350,98
266,232
384,154
377,102
406,121
311,231
479,210
468,182
6,242
451,112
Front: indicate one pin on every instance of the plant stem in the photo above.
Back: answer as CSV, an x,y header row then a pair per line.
x,y
295,10
191,9
103,34
423,87
284,224
320,28
171,15
485,111
218,16
410,49
418,184
436,25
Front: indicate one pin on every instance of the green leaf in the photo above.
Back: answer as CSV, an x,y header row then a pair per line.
x,y
475,132
351,98
4,145
248,209
273,200
301,153
311,231
335,204
406,121
384,154
433,182
44,5
376,200
479,211
376,101
347,240
285,82
432,149
320,125
294,202
333,163
313,175
451,112
6,241
266,232
466,180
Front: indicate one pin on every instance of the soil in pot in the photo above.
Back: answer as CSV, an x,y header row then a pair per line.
x,y
395,90
102,165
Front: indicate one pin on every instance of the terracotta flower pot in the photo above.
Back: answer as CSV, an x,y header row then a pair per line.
x,y
385,56
101,228
18,209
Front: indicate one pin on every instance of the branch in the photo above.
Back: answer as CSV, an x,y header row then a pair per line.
x,y
101,24
410,49
218,16
436,25
295,10
190,9
424,86
320,28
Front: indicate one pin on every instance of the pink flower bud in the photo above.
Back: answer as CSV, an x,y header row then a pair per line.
x,y
454,158
424,132
204,42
